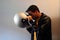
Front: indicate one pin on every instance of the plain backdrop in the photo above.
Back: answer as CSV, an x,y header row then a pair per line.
x,y
8,8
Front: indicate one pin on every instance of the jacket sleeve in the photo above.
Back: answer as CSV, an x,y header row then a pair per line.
x,y
46,29
29,29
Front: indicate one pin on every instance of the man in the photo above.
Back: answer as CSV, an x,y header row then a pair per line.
x,y
42,24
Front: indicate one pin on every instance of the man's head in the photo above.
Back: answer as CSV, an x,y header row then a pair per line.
x,y
33,8
33,11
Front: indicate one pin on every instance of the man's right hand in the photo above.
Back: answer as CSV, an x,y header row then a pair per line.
x,y
29,18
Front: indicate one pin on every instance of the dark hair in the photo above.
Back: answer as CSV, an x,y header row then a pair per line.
x,y
33,8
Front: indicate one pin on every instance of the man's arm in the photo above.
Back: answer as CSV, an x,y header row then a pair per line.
x,y
46,29
29,29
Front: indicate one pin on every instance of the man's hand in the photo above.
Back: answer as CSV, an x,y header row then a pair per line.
x,y
29,18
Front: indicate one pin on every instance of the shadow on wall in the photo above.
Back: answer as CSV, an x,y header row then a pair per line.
x,y
55,28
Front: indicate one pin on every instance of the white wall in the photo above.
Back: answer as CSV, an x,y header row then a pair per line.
x,y
8,8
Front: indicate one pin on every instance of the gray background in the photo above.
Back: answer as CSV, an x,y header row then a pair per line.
x,y
8,8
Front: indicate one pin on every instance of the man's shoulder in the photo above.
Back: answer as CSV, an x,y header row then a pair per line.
x,y
45,17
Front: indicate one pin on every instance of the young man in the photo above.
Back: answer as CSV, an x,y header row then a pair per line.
x,y
42,23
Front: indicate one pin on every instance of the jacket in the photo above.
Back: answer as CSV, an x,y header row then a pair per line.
x,y
44,29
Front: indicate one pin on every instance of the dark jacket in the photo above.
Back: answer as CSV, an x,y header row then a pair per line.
x,y
43,30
